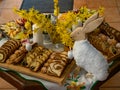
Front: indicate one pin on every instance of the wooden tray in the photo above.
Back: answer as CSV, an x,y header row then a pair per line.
x,y
27,71
113,58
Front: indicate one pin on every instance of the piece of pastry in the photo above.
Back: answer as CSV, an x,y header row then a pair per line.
x,y
35,58
104,44
35,65
110,31
27,61
56,64
11,45
7,45
118,45
112,41
44,69
3,56
55,69
5,50
17,56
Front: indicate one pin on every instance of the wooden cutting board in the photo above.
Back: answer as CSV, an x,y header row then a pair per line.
x,y
27,71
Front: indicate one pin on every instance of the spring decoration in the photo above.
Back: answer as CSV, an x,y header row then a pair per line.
x,y
61,29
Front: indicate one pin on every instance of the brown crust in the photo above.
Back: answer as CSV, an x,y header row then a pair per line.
x,y
18,59
4,56
9,46
15,43
5,50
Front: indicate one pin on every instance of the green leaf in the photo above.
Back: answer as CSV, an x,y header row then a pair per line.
x,y
82,87
20,35
66,84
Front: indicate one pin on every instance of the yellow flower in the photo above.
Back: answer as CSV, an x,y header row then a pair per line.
x,y
55,1
20,35
60,31
56,8
28,25
101,10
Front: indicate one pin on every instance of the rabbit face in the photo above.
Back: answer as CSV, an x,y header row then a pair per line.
x,y
89,25
78,34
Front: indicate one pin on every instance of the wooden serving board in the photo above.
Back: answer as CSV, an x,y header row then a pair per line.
x,y
27,71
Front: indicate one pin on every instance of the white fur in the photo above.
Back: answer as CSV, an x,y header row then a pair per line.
x,y
87,56
90,59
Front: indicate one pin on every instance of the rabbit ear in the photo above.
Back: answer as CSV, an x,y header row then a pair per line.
x,y
92,25
91,18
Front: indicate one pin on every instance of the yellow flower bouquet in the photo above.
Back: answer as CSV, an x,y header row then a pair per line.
x,y
60,30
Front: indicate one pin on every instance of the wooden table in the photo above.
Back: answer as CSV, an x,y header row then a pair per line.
x,y
112,84
23,84
20,83
4,85
112,81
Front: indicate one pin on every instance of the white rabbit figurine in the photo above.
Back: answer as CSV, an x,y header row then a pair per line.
x,y
85,55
